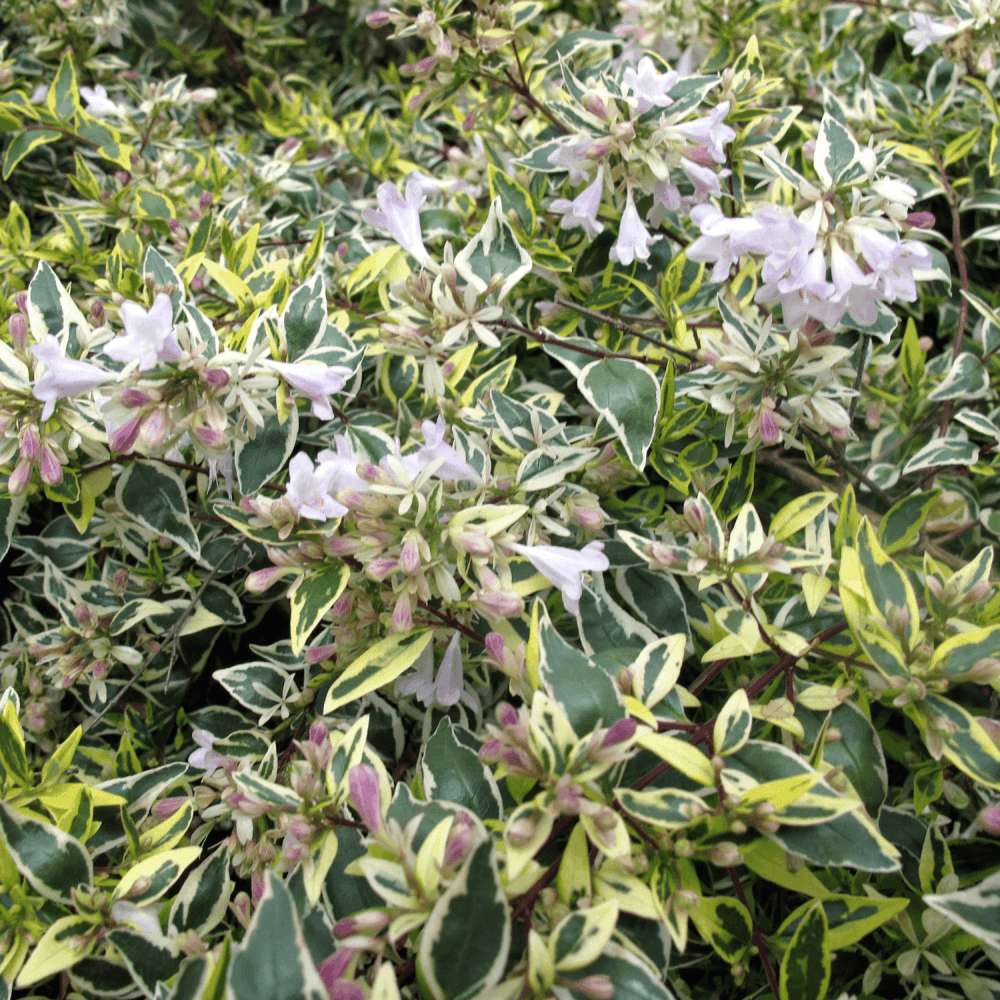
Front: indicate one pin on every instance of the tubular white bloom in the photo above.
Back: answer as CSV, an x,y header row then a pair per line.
x,y
401,218
924,33
710,131
447,688
205,757
149,336
723,239
98,102
308,491
572,156
633,237
582,210
648,87
316,382
893,261
344,466
564,568
63,376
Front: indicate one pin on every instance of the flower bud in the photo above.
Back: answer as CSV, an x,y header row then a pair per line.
x,y
122,438
725,855
31,446
165,808
622,731
595,987
17,327
49,468
215,377
989,819
363,782
20,479
132,398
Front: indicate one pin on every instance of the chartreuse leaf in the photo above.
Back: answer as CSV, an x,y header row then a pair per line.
x,y
960,653
935,860
976,910
13,758
273,962
451,961
733,725
803,510
314,595
911,357
169,833
53,862
25,143
573,880
969,747
377,666
155,875
849,918
65,942
494,379
901,525
63,98
887,587
805,966
770,861
627,395
580,937
687,759
667,808
726,925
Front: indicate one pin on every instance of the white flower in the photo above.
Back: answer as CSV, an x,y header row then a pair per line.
x,y
434,448
648,87
447,688
926,31
633,237
308,491
39,94
572,156
98,102
705,180
565,567
893,262
710,131
315,381
853,289
149,336
582,211
205,757
63,376
723,239
803,295
666,198
401,218
786,242
342,466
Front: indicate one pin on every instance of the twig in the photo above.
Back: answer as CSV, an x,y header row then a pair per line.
x,y
859,375
543,338
757,936
447,618
169,639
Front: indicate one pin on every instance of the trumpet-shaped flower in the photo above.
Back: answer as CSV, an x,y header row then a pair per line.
x,y
634,239
710,131
723,239
205,757
582,210
344,466
98,102
149,335
784,240
63,376
434,448
707,182
446,688
648,87
926,32
572,156
308,491
804,295
401,218
893,262
565,567
314,381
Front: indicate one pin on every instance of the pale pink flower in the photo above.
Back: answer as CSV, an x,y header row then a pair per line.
x,y
634,239
723,239
401,218
453,467
707,182
853,289
710,131
308,492
63,376
572,156
445,689
582,210
149,335
648,87
564,568
205,757
363,782
802,296
315,381
926,32
785,241
342,465
666,198
893,262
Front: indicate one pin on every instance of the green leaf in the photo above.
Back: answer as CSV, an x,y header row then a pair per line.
x,y
901,525
967,378
150,204
53,862
805,966
273,962
150,961
150,879
627,395
261,687
63,98
381,664
452,962
961,146
494,251
25,143
911,357
314,595
13,758
513,197
726,925
887,585
304,317
803,510
630,976
261,459
733,724
837,154
667,808
157,498
59,948
204,897
976,910
580,937
833,19
451,771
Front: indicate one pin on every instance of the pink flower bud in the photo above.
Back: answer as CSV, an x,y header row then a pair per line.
x,y
595,987
210,437
377,19
497,646
100,670
20,479
121,439
31,446
320,653
622,730
205,201
132,398
49,468
507,714
770,432
409,559
989,819
402,614
215,377
17,327
363,782
165,808
21,301
365,922
262,579
154,429
921,220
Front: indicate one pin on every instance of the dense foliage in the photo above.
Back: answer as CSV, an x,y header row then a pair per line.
x,y
499,499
